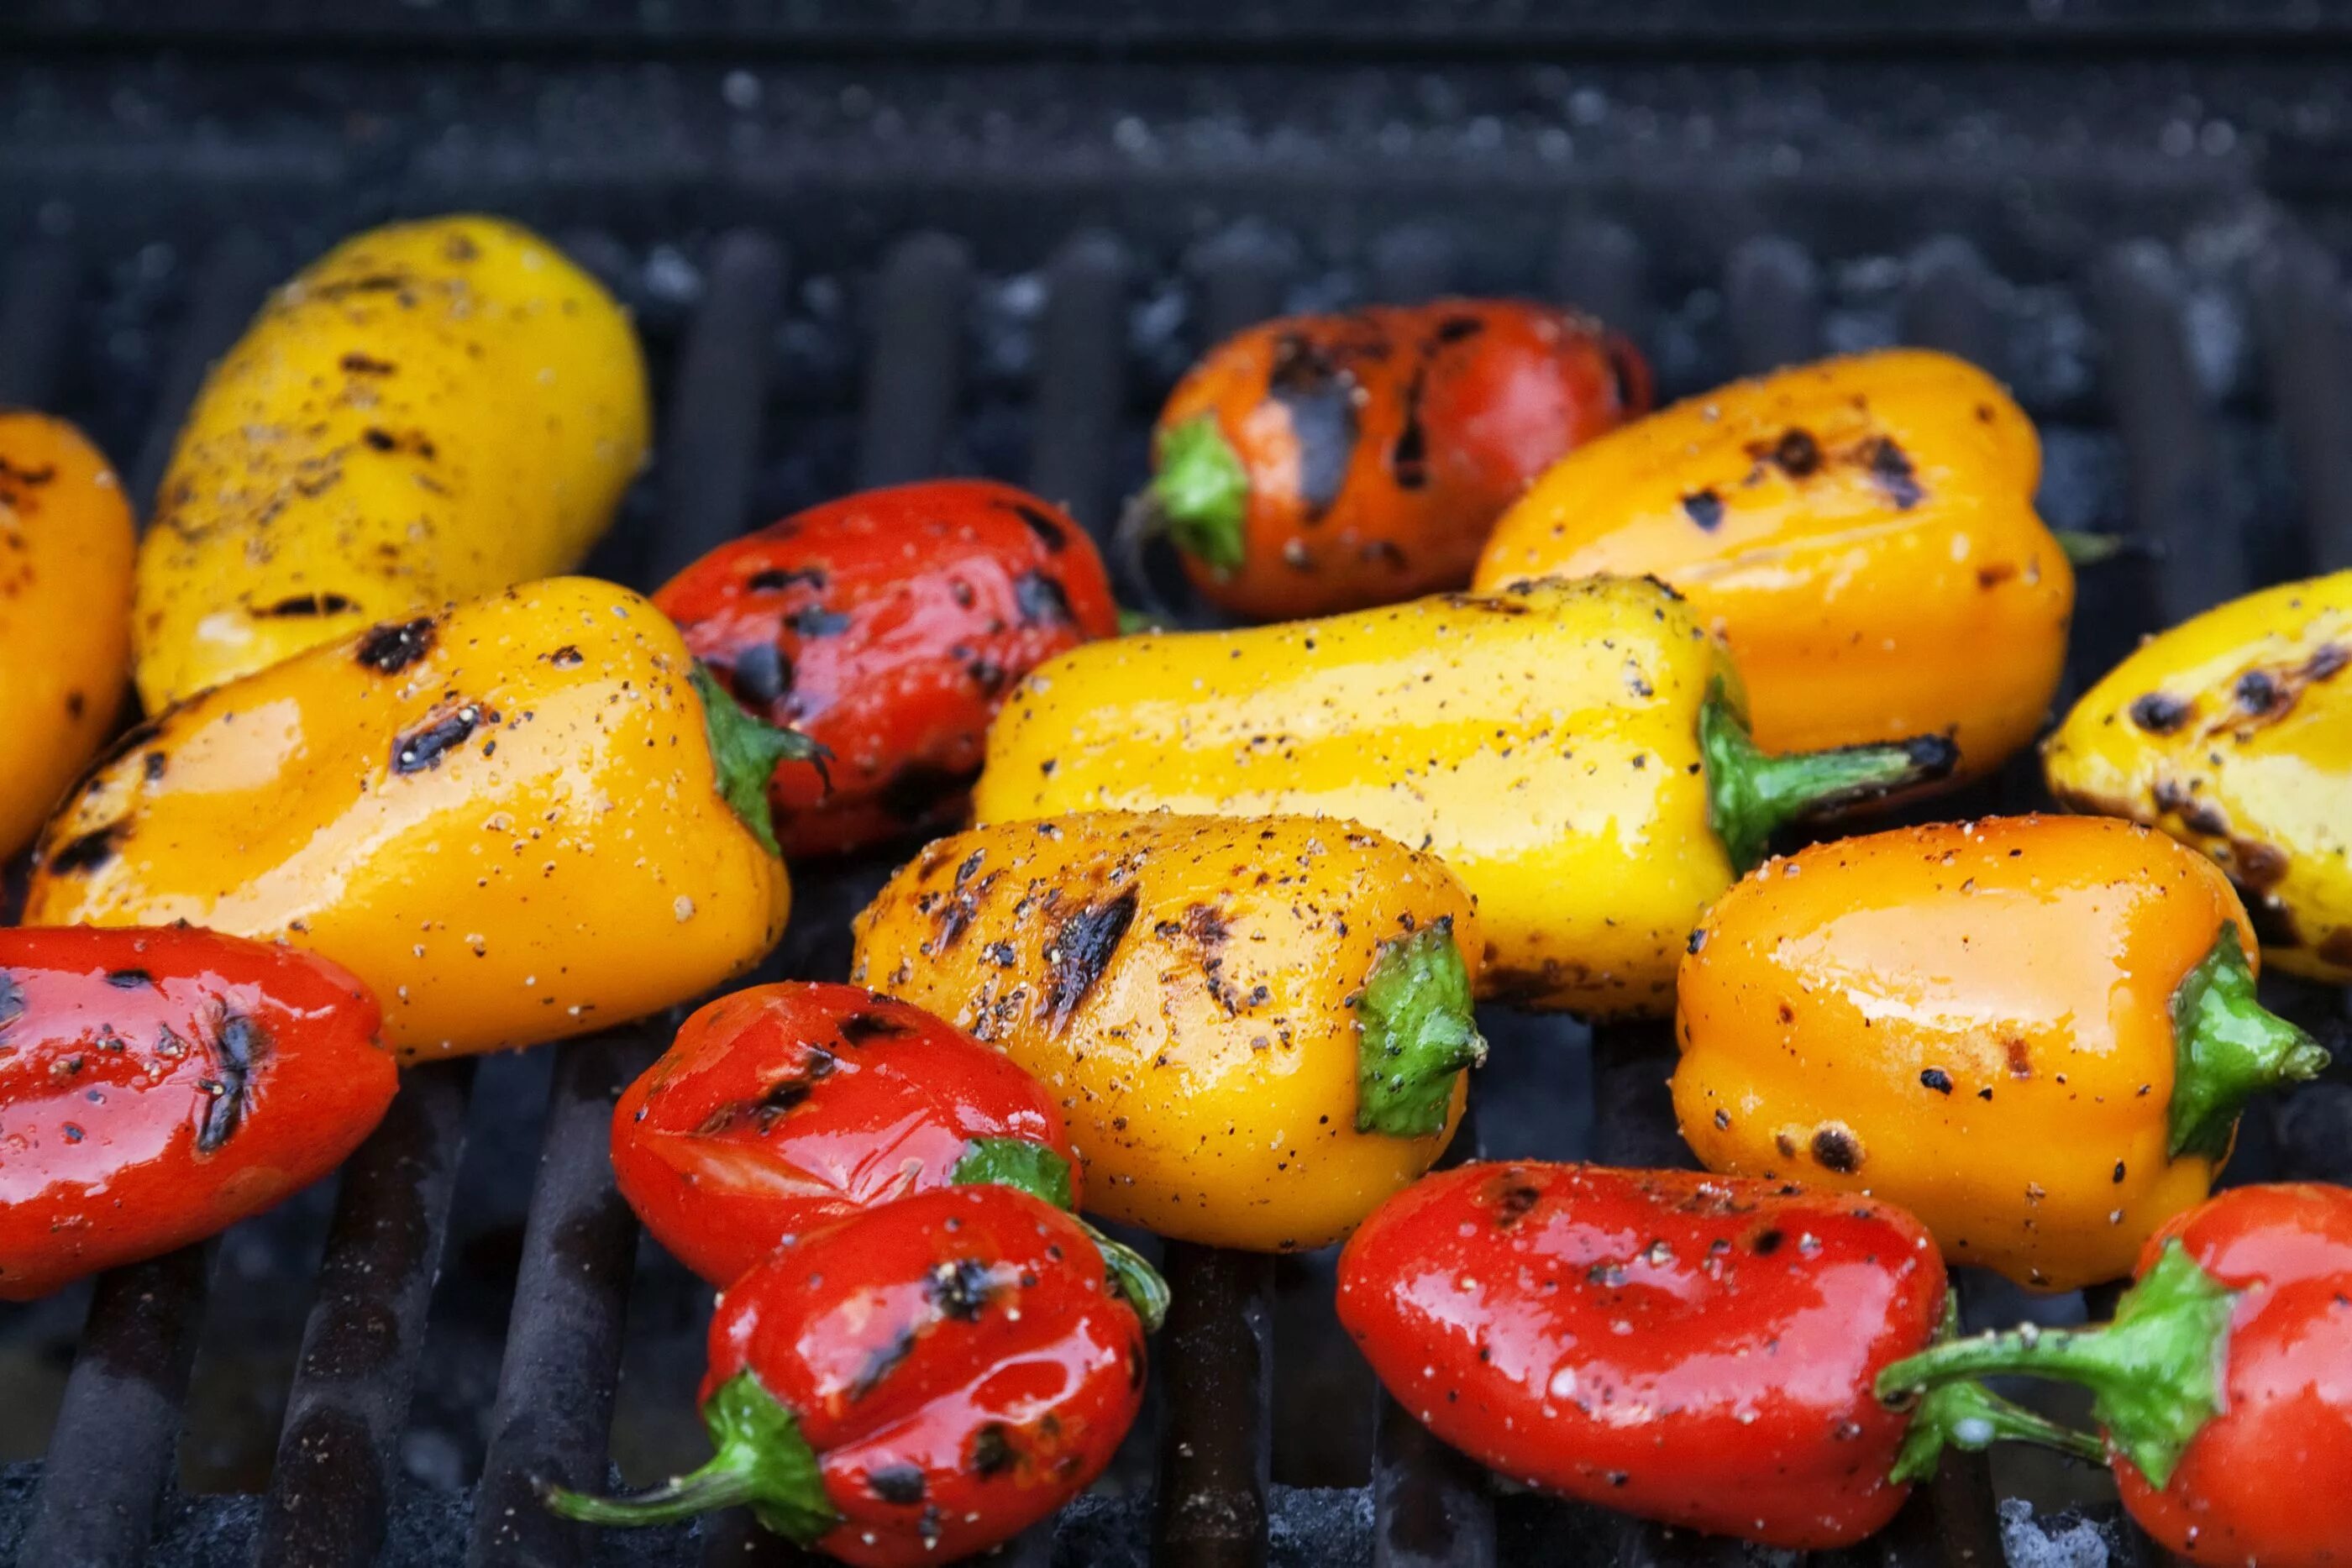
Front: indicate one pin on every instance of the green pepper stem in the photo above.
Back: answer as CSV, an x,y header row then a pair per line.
x,y
2083,548
1967,1414
1133,1277
2227,1048
1751,796
1033,1168
2154,1373
761,1458
1200,492
747,751
1419,1033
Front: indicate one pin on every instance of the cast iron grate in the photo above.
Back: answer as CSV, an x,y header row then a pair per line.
x,y
2197,391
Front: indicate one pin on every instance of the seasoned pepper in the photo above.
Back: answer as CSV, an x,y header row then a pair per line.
x,y
429,411
2034,1032
65,614
2224,1383
888,626
1325,463
913,1384
158,1086
518,819
1257,1028
1694,1349
1860,532
1575,752
782,1108
2232,732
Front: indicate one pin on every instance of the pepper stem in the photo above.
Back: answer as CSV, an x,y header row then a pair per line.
x,y
760,1459
1419,1034
1033,1168
2154,1373
1751,796
2083,548
1133,1277
747,751
2226,1049
1200,492
1969,1416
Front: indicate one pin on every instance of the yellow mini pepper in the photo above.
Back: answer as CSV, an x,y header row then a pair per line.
x,y
2232,732
1860,532
429,411
525,817
1258,1029
1576,752
2035,1033
65,614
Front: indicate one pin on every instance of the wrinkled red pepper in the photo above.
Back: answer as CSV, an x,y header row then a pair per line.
x,y
888,626
1690,1348
914,1384
157,1086
2224,1382
782,1108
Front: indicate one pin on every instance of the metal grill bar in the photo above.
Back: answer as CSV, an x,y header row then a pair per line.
x,y
1081,379
1771,293
2298,304
35,312
711,437
917,370
229,285
338,1455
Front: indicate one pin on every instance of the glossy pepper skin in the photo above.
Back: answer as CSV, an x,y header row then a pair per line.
x,y
2224,1383
1323,463
65,613
158,1086
2232,732
1574,751
429,411
1256,1028
1860,532
888,626
2033,1032
1694,1349
911,1385
507,818
782,1108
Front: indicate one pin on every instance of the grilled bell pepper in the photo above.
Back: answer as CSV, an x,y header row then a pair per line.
x,y
1325,463
1860,532
429,411
65,613
2224,1382
782,1108
1694,1349
913,1384
2033,1032
888,626
1575,752
1257,1028
520,819
158,1086
2232,732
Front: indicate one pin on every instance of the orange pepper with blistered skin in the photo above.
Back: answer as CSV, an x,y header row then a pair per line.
x,y
65,613
2035,1033
1316,463
1860,532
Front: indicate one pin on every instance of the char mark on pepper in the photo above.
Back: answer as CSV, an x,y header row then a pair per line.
x,y
393,646
1079,953
1319,396
238,1045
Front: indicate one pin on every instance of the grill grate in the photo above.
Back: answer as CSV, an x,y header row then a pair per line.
x,y
1067,417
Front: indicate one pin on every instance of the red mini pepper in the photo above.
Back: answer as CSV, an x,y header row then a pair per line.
x,y
1690,1348
157,1086
886,626
782,1108
911,1385
2224,1382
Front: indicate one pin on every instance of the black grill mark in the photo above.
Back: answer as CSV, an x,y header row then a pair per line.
x,y
312,604
423,746
2256,691
238,1049
1837,1150
12,999
1797,453
1081,950
2325,662
1890,468
1409,458
881,1363
1704,508
1043,600
859,1028
565,658
129,979
153,765
2158,714
960,1289
778,577
816,620
393,647
1049,532
1512,1204
90,851
1453,328
762,673
380,440
1938,1079
1767,1242
359,365
900,1484
1319,397
991,1453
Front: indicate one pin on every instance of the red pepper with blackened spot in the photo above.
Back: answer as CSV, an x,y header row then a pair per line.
x,y
911,1385
159,1085
782,1108
2224,1383
1693,1349
888,626
1319,463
